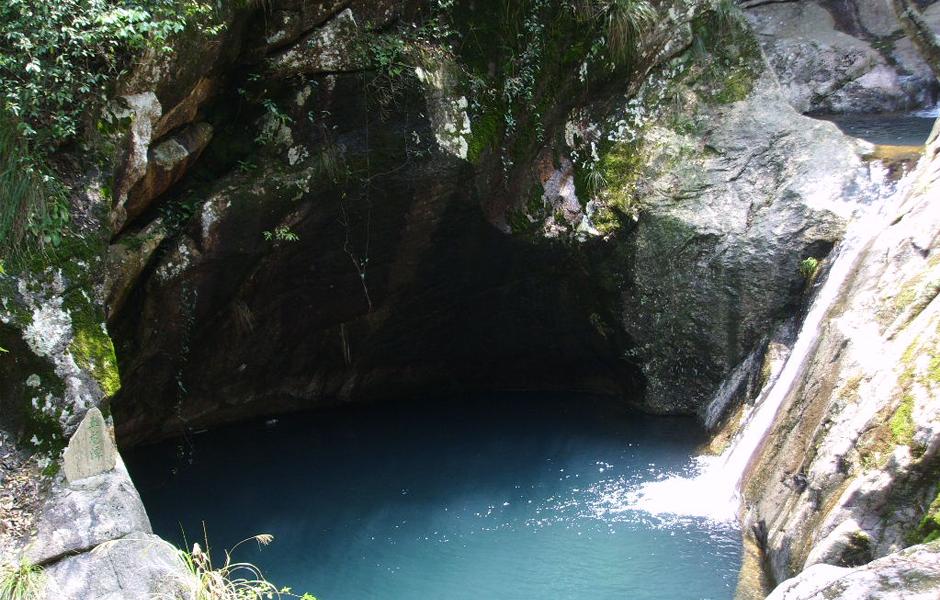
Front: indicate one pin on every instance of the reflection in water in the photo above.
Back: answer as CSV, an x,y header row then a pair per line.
x,y
512,498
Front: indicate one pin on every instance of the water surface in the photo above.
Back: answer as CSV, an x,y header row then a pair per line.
x,y
504,498
886,129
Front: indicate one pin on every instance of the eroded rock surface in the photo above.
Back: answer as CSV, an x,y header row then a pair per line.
x,y
912,574
76,517
843,57
763,189
849,471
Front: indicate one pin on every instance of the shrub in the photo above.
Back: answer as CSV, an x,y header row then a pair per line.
x,y
205,580
57,62
57,58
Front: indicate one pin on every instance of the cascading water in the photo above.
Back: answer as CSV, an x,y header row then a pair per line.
x,y
710,487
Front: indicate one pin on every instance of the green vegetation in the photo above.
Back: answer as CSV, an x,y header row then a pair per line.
x,y
519,56
615,179
94,352
58,58
624,23
727,57
22,582
928,529
281,234
32,202
226,581
57,63
719,68
809,267
902,421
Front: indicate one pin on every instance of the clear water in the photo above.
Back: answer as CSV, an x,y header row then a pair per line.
x,y
510,498
887,129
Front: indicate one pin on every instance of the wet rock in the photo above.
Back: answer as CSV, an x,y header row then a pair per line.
x,y
863,423
720,239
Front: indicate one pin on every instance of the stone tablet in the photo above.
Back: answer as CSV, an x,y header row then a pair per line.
x,y
91,450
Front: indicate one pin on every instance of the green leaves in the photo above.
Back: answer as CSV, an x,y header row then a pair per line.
x,y
281,234
56,58
809,267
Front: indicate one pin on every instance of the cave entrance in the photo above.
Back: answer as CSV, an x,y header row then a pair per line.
x,y
510,496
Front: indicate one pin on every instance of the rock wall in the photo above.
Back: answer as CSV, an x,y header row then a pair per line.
x,y
850,472
844,56
342,241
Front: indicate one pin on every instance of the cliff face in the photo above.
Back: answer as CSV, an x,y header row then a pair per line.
x,y
343,229
850,472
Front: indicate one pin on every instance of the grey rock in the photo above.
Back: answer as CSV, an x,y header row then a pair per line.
x,y
167,162
79,516
332,48
877,17
912,574
823,69
91,451
139,566
720,239
144,111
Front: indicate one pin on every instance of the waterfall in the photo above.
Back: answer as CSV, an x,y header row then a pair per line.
x,y
711,488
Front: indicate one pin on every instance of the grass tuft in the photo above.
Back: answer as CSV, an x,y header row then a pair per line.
x,y
22,582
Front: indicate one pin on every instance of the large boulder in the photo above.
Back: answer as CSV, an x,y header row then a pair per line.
x,y
721,236
132,567
167,161
77,517
912,574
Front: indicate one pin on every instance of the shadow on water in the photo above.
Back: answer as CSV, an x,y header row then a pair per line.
x,y
496,496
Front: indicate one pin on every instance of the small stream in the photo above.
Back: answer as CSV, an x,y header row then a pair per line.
x,y
506,497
